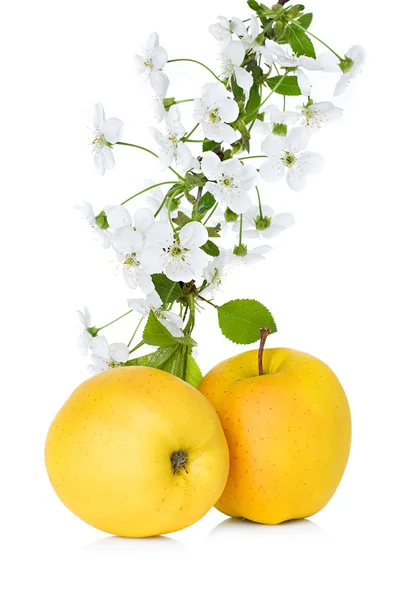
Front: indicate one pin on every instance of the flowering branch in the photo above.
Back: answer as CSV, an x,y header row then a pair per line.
x,y
169,253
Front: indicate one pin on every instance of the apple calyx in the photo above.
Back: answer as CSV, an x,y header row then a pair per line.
x,y
264,333
179,461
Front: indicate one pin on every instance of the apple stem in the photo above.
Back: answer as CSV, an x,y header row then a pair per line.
x,y
264,332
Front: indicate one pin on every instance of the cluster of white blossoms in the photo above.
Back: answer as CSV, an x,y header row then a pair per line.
x,y
183,231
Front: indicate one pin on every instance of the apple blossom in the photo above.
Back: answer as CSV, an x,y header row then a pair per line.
x,y
267,225
178,255
232,57
214,110
153,302
287,154
284,56
84,342
152,61
171,145
107,132
229,181
105,357
317,114
352,66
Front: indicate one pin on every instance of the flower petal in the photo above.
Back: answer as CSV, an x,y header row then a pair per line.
x,y
228,110
100,347
119,352
117,216
244,79
193,235
159,57
273,146
99,116
143,219
303,83
126,240
160,234
297,140
235,52
272,170
112,130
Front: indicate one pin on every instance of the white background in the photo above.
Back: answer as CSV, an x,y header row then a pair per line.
x,y
334,283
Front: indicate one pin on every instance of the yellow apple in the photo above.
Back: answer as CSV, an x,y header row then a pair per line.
x,y
137,452
288,431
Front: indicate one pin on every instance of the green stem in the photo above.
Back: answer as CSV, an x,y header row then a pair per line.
x,y
296,24
208,302
137,347
195,141
182,101
250,157
149,188
258,197
210,214
150,152
191,319
186,137
196,62
135,331
241,230
274,89
115,320
284,103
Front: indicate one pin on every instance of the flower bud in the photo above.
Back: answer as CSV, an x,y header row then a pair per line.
x,y
262,223
240,250
101,220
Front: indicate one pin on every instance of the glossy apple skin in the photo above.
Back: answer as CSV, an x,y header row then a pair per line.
x,y
108,453
288,432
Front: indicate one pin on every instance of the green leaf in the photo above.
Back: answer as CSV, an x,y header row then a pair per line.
x,y
155,334
213,232
169,291
238,92
155,360
181,219
288,87
241,320
176,363
253,103
300,42
210,248
193,374
254,5
205,203
305,20
209,145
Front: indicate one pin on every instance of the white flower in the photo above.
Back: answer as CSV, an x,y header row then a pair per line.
x,y
357,57
99,235
274,116
180,257
223,30
232,57
230,181
152,61
250,35
252,256
318,114
268,227
153,302
85,339
283,55
159,111
214,273
105,357
287,154
107,132
214,110
171,146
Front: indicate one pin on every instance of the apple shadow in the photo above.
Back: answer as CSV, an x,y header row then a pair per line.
x,y
134,546
299,528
